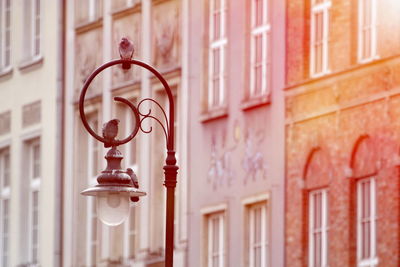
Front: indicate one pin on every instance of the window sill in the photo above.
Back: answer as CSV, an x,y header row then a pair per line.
x,y
368,60
214,114
31,63
89,25
6,72
255,102
122,11
319,74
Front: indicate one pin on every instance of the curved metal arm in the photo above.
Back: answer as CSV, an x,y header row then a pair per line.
x,y
169,132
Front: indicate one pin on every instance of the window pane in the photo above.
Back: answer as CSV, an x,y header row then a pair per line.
x,y
5,232
217,25
93,238
215,235
7,33
132,232
35,226
36,160
6,169
258,49
366,219
217,5
318,231
215,240
37,28
216,60
257,231
132,153
216,76
258,5
257,257
367,13
94,150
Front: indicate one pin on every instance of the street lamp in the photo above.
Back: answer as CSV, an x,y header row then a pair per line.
x,y
116,187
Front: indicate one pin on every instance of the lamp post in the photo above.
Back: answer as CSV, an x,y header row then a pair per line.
x,y
116,187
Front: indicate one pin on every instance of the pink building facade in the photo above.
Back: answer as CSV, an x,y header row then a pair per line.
x,y
236,133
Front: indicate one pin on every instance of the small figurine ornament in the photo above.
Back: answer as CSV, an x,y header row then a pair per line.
x,y
110,131
126,51
135,182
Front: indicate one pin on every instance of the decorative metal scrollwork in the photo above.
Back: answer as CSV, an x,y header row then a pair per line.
x,y
149,116
138,115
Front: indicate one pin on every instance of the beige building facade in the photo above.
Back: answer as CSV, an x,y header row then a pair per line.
x,y
93,31
30,106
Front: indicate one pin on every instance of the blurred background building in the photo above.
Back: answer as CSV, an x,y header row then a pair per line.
x,y
236,137
94,30
30,119
342,133
287,131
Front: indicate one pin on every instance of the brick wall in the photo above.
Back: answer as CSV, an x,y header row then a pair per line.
x,y
340,127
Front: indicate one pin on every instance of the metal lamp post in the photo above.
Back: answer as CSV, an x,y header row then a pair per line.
x,y
116,187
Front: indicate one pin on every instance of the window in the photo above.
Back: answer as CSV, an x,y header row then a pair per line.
x,y
5,35
130,234
318,228
366,30
366,223
131,161
34,150
257,235
94,10
260,29
319,37
130,154
93,230
217,51
4,206
32,28
216,240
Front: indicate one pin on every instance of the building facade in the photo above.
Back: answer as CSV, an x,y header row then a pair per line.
x,y
236,136
342,133
30,112
94,29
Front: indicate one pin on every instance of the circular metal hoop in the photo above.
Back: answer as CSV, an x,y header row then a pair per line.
x,y
170,144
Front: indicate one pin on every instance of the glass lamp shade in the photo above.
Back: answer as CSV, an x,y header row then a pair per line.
x,y
113,207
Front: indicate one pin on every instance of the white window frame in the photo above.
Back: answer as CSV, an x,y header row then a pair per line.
x,y
92,144
5,196
218,44
32,50
5,35
322,7
34,187
372,261
262,30
361,28
220,216
264,245
93,6
323,230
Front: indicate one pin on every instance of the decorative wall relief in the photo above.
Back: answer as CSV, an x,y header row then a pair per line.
x,y
166,35
127,26
253,161
220,172
88,56
241,155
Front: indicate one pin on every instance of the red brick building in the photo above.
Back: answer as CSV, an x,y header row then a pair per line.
x,y
342,133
